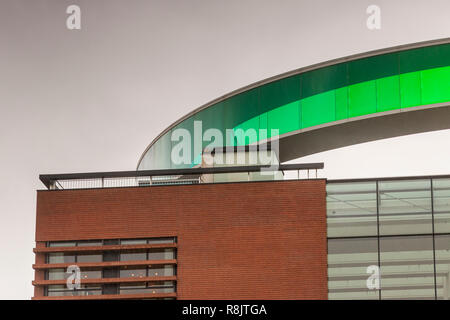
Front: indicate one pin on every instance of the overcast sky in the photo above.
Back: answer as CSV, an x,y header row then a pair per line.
x,y
93,99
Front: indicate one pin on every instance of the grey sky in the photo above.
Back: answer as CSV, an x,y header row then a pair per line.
x,y
91,100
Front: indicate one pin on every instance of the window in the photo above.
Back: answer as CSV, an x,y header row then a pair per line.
x,y
62,244
91,274
139,273
152,254
161,271
62,290
90,243
112,288
133,255
147,287
111,256
56,274
151,271
161,254
110,273
161,240
110,242
60,257
133,272
91,257
133,241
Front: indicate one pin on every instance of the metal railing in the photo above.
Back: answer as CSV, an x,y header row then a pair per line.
x,y
144,178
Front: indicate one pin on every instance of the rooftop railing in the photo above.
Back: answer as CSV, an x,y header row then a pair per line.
x,y
144,178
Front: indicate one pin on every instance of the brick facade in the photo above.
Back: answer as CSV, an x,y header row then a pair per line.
x,y
250,240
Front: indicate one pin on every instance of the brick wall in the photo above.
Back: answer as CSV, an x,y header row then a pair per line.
x,y
252,240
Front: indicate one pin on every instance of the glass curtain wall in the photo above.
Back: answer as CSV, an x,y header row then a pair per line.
x,y
398,229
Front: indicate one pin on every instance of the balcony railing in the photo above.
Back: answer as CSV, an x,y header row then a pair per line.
x,y
144,178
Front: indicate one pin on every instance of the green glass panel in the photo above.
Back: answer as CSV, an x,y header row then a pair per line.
x,y
250,130
362,99
371,68
435,85
240,108
213,117
188,125
388,93
342,103
229,138
279,93
424,58
163,150
324,79
285,118
318,109
263,121
410,89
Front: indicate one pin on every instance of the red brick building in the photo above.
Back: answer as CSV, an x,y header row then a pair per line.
x,y
237,240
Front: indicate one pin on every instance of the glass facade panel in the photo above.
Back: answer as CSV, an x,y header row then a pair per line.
x,y
435,85
91,274
62,244
441,204
407,267
62,290
56,274
388,93
318,109
362,99
110,273
147,287
133,272
161,240
409,239
161,271
60,257
90,257
133,255
410,89
133,241
161,254
442,247
351,209
101,272
111,242
133,288
405,207
348,260
287,118
90,243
